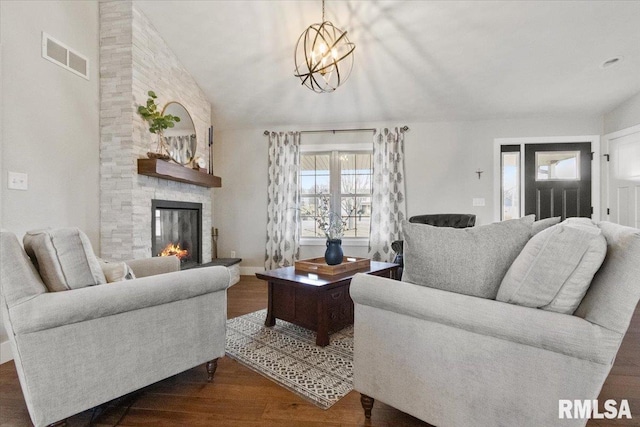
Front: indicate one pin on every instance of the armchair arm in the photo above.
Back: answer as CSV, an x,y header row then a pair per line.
x,y
560,333
54,309
155,265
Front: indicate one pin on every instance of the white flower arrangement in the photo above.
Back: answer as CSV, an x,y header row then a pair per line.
x,y
331,224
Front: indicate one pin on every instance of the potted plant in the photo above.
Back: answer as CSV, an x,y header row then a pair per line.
x,y
158,122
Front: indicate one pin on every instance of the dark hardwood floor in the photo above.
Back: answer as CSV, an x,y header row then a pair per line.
x,y
241,397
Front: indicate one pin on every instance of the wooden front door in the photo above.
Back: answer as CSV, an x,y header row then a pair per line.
x,y
558,180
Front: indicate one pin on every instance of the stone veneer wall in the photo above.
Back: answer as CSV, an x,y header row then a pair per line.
x,y
133,60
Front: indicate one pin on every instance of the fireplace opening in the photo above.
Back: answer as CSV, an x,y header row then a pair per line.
x,y
176,229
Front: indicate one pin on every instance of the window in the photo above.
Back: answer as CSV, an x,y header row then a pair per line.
x,y
341,179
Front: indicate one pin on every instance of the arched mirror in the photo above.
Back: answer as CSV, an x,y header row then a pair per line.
x,y
181,139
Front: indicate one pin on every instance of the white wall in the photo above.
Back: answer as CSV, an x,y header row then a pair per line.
x,y
623,116
49,119
441,160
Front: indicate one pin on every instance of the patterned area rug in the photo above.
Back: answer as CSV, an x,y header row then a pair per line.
x,y
287,354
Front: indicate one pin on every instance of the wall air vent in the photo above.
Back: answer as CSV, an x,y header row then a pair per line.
x,y
67,58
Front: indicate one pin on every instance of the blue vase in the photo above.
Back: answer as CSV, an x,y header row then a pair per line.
x,y
333,255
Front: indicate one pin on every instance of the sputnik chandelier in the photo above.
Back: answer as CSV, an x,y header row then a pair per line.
x,y
323,56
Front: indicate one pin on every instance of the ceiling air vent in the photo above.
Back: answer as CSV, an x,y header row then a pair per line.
x,y
60,54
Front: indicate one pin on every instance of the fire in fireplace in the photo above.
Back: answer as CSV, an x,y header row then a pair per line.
x,y
175,249
176,229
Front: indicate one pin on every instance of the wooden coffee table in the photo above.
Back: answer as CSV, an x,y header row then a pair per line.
x,y
322,305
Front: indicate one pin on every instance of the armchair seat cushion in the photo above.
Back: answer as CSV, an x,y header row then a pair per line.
x,y
64,258
471,261
554,270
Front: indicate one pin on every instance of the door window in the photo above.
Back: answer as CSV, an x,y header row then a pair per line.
x,y
557,165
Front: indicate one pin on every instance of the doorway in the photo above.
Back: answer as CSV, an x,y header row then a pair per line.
x,y
623,176
547,176
557,179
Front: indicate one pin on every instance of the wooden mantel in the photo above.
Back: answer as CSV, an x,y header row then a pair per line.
x,y
175,172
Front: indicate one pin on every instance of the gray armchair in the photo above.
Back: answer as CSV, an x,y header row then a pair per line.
x,y
457,360
76,349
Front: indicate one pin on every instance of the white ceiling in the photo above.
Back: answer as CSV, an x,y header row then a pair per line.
x,y
415,60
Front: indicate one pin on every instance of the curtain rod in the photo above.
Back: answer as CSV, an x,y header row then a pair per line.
x,y
402,129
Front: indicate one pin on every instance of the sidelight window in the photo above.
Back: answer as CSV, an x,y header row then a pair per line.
x,y
510,183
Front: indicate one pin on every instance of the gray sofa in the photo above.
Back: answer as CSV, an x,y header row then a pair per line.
x,y
457,360
79,348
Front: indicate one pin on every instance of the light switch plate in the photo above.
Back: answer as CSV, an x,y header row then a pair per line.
x,y
18,181
478,201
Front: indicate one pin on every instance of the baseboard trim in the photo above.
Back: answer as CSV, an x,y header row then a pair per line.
x,y
250,271
5,352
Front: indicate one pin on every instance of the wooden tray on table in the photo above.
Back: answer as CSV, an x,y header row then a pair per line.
x,y
319,266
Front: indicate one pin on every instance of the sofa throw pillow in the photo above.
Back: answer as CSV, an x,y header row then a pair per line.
x,y
64,258
469,261
554,270
115,271
543,224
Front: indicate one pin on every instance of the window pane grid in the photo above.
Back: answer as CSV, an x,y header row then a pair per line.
x,y
347,180
314,183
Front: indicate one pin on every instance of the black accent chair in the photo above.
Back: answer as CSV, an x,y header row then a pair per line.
x,y
437,220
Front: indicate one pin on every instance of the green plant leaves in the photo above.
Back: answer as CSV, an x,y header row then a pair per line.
x,y
151,114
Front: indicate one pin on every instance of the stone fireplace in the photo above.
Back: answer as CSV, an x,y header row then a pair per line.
x,y
133,60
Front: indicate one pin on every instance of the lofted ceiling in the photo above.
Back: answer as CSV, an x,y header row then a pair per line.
x,y
415,60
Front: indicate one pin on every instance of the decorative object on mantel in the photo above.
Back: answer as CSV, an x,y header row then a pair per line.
x,y
158,122
181,139
200,164
211,150
155,155
323,56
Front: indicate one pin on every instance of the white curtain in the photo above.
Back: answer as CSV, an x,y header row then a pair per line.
x,y
389,206
283,240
